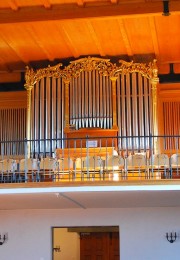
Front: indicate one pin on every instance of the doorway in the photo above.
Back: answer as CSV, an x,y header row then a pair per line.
x,y
85,243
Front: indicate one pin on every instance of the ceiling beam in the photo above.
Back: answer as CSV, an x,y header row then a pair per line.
x,y
125,37
11,45
36,39
154,37
73,11
68,40
95,38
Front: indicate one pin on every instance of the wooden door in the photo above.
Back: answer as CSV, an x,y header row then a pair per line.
x,y
114,246
99,246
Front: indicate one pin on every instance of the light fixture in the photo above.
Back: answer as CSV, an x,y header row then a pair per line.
x,y
166,8
171,237
3,238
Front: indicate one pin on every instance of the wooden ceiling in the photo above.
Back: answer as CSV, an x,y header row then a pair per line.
x,y
42,32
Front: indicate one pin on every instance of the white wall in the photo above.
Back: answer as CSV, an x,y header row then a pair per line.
x,y
142,231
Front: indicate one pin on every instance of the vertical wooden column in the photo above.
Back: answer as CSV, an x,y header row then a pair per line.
x,y
28,124
67,83
154,82
113,81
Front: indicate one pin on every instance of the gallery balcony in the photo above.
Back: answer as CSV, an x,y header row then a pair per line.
x,y
94,160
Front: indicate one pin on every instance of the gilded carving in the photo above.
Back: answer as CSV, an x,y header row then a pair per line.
x,y
32,77
147,70
103,66
113,80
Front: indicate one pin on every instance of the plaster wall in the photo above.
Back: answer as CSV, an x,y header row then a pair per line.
x,y
142,231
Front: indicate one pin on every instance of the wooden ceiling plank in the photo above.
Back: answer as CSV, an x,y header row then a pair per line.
x,y
154,37
13,48
125,38
13,5
36,39
17,53
95,38
73,11
69,41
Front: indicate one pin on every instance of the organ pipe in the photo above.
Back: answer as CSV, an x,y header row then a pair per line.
x,y
12,129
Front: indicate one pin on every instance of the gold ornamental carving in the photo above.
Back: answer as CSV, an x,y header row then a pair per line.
x,y
32,76
66,82
154,83
103,66
147,70
113,81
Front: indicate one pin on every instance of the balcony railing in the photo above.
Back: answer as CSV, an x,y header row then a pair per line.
x,y
121,158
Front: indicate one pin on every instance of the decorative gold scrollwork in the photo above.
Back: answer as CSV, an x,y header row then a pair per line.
x,y
32,77
147,70
103,66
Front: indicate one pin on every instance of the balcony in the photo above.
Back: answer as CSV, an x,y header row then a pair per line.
x,y
96,160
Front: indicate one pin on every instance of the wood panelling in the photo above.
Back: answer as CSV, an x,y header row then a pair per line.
x,y
167,38
83,152
93,134
169,91
10,77
13,99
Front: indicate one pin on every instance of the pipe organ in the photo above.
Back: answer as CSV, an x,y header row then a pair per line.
x,y
171,119
91,93
47,114
134,109
12,131
91,101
